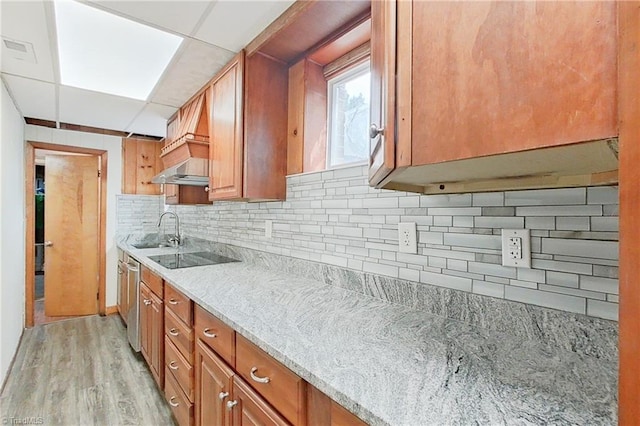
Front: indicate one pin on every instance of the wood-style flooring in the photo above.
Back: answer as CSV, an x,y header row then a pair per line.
x,y
81,372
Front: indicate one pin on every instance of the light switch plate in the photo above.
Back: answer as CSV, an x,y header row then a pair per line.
x,y
407,238
268,229
516,248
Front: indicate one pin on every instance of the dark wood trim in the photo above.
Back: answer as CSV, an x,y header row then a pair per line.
x,y
629,142
86,129
30,222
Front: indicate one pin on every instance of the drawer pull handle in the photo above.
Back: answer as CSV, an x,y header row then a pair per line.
x,y
173,404
207,333
173,301
147,302
223,395
231,404
173,332
173,365
258,379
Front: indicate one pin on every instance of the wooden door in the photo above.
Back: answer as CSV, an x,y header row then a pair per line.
x,y
71,235
251,409
226,153
156,338
213,387
383,71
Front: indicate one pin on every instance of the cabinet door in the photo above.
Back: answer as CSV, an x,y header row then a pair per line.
x,y
248,408
226,151
145,322
141,161
496,77
171,194
156,338
213,388
383,61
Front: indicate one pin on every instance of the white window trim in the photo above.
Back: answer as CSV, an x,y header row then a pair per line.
x,y
346,74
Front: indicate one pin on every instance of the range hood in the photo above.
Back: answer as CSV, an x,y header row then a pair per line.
x,y
193,171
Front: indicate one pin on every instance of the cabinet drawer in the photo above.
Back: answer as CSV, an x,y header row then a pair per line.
x,y
180,406
180,368
216,334
152,281
283,388
178,303
179,334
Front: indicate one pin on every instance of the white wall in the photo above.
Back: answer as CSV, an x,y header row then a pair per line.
x,y
12,226
113,146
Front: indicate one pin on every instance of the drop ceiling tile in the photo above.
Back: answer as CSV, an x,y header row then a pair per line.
x,y
79,106
233,24
152,120
198,64
25,22
178,16
36,99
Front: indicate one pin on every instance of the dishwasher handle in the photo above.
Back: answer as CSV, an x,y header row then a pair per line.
x,y
133,267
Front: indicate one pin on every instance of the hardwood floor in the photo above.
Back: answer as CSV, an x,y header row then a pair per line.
x,y
81,372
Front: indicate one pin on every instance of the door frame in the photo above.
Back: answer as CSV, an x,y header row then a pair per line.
x,y
30,237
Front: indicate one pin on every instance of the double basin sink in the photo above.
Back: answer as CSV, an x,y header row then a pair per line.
x,y
181,259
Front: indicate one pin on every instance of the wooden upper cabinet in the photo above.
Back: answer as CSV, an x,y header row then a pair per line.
x,y
248,130
494,95
141,162
227,148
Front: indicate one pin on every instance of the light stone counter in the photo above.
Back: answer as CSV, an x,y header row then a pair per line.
x,y
392,364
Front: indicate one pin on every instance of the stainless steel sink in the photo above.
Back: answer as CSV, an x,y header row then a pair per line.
x,y
148,245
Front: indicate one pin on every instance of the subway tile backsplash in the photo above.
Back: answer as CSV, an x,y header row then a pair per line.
x,y
138,213
334,217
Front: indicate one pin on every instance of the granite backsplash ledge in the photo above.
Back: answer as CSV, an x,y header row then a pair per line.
x,y
578,333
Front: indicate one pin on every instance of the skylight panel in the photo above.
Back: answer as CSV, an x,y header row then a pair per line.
x,y
107,53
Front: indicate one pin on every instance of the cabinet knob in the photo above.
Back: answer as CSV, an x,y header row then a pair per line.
x,y
206,188
223,395
173,365
231,404
147,302
374,131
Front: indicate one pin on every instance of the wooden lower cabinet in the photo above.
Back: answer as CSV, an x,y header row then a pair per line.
x,y
213,387
248,408
181,407
152,332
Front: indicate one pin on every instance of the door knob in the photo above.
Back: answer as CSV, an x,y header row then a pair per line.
x,y
48,243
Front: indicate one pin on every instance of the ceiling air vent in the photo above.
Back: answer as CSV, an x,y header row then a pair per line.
x,y
16,49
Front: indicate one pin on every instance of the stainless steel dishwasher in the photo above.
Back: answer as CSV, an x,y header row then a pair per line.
x,y
133,310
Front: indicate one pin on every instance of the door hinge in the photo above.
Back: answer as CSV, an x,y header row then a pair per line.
x,y
98,296
99,174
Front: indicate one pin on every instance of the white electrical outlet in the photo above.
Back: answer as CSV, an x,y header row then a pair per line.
x,y
516,248
268,229
407,238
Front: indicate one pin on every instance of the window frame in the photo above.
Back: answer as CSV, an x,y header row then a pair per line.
x,y
350,71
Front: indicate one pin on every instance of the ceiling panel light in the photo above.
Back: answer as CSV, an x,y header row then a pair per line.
x,y
106,53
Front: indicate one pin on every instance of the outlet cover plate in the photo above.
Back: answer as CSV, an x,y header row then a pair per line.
x,y
407,238
516,248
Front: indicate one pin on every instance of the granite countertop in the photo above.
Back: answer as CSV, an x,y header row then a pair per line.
x,y
392,364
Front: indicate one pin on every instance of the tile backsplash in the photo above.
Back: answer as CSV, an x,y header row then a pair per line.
x,y
334,217
138,213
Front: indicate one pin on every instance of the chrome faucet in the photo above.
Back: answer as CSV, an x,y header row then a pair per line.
x,y
175,239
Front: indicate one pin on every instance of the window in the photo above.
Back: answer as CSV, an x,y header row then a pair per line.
x,y
349,98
